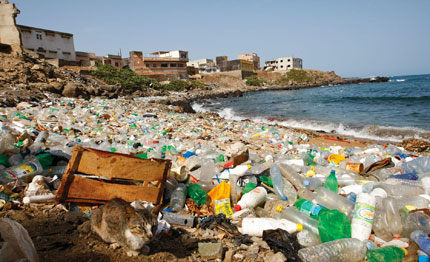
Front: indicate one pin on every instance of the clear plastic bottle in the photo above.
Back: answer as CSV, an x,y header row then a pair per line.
x,y
39,141
55,171
416,221
294,215
331,200
341,250
393,219
308,239
178,197
25,171
402,189
312,183
283,188
292,176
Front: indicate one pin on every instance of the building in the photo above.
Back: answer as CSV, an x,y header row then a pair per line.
x,y
48,43
90,59
245,66
253,57
162,65
204,65
283,63
9,34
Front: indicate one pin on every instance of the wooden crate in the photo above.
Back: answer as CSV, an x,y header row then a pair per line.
x,y
74,188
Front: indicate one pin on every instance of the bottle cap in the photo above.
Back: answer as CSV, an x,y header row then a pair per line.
x,y
237,208
299,227
278,209
369,245
306,182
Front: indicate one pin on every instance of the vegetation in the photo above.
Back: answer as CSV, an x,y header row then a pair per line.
x,y
130,81
254,81
295,75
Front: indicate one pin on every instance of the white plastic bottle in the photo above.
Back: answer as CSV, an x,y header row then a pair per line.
x,y
252,199
254,226
341,250
362,221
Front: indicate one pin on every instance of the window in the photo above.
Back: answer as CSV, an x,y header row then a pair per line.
x,y
289,66
66,53
180,65
39,36
147,65
116,64
183,56
172,65
289,60
154,65
164,65
282,66
282,61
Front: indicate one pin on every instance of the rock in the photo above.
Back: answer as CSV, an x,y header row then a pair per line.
x,y
74,217
70,90
85,227
58,86
238,256
185,106
253,249
229,255
210,250
278,257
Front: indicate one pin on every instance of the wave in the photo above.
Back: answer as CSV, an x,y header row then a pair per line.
x,y
372,132
386,98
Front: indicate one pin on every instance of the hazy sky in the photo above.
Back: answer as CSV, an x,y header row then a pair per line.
x,y
353,38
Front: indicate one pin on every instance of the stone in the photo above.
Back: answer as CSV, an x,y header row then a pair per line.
x,y
211,250
229,255
278,257
70,90
238,256
253,249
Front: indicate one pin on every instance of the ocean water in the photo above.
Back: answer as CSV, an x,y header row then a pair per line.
x,y
390,111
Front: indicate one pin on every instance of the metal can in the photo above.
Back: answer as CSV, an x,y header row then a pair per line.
x,y
354,167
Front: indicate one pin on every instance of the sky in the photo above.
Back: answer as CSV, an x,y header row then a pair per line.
x,y
353,38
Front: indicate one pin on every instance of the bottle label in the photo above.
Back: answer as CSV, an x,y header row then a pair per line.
x,y
364,212
21,172
223,206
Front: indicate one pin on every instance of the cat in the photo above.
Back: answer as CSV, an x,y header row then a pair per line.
x,y
118,223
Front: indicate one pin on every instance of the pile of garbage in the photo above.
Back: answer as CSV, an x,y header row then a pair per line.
x,y
263,187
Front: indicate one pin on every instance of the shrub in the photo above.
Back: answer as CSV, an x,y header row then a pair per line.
x,y
295,75
128,79
177,85
197,84
254,81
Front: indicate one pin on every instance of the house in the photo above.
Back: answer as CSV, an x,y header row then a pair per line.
x,y
253,57
204,65
163,65
9,34
90,59
246,67
48,43
283,63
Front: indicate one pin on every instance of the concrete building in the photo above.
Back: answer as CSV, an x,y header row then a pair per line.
x,y
9,34
90,59
225,65
253,57
48,43
284,63
204,65
162,66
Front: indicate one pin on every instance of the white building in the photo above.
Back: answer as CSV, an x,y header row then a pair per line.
x,y
284,63
204,65
172,54
50,44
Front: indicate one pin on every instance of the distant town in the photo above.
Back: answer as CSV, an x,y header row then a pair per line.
x,y
58,48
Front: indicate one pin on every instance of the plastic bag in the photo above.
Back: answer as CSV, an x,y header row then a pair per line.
x,y
220,197
281,240
18,246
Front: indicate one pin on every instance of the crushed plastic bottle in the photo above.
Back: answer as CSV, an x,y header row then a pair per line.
x,y
342,250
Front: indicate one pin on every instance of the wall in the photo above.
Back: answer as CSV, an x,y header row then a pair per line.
x,y
285,63
9,33
51,44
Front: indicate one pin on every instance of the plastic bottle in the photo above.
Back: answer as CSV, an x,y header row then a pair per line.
x,y
252,199
234,176
283,188
362,221
254,226
54,171
294,215
25,171
312,183
292,176
179,219
331,200
196,192
415,201
422,239
331,182
308,207
308,239
39,141
178,197
415,221
393,217
390,253
341,250
333,225
422,256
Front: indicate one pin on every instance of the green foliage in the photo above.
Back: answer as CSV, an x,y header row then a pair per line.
x,y
295,75
254,81
177,85
126,78
197,84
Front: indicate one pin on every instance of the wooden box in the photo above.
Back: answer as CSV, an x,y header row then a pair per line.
x,y
120,172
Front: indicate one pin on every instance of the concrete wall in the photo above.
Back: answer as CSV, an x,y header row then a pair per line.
x,y
176,54
51,44
9,33
284,63
253,57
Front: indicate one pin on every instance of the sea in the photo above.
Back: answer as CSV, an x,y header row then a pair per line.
x,y
389,111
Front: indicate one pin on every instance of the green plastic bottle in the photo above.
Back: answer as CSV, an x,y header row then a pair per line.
x,y
388,254
196,192
331,182
308,207
333,225
248,187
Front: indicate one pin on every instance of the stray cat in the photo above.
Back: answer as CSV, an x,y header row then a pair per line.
x,y
117,222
